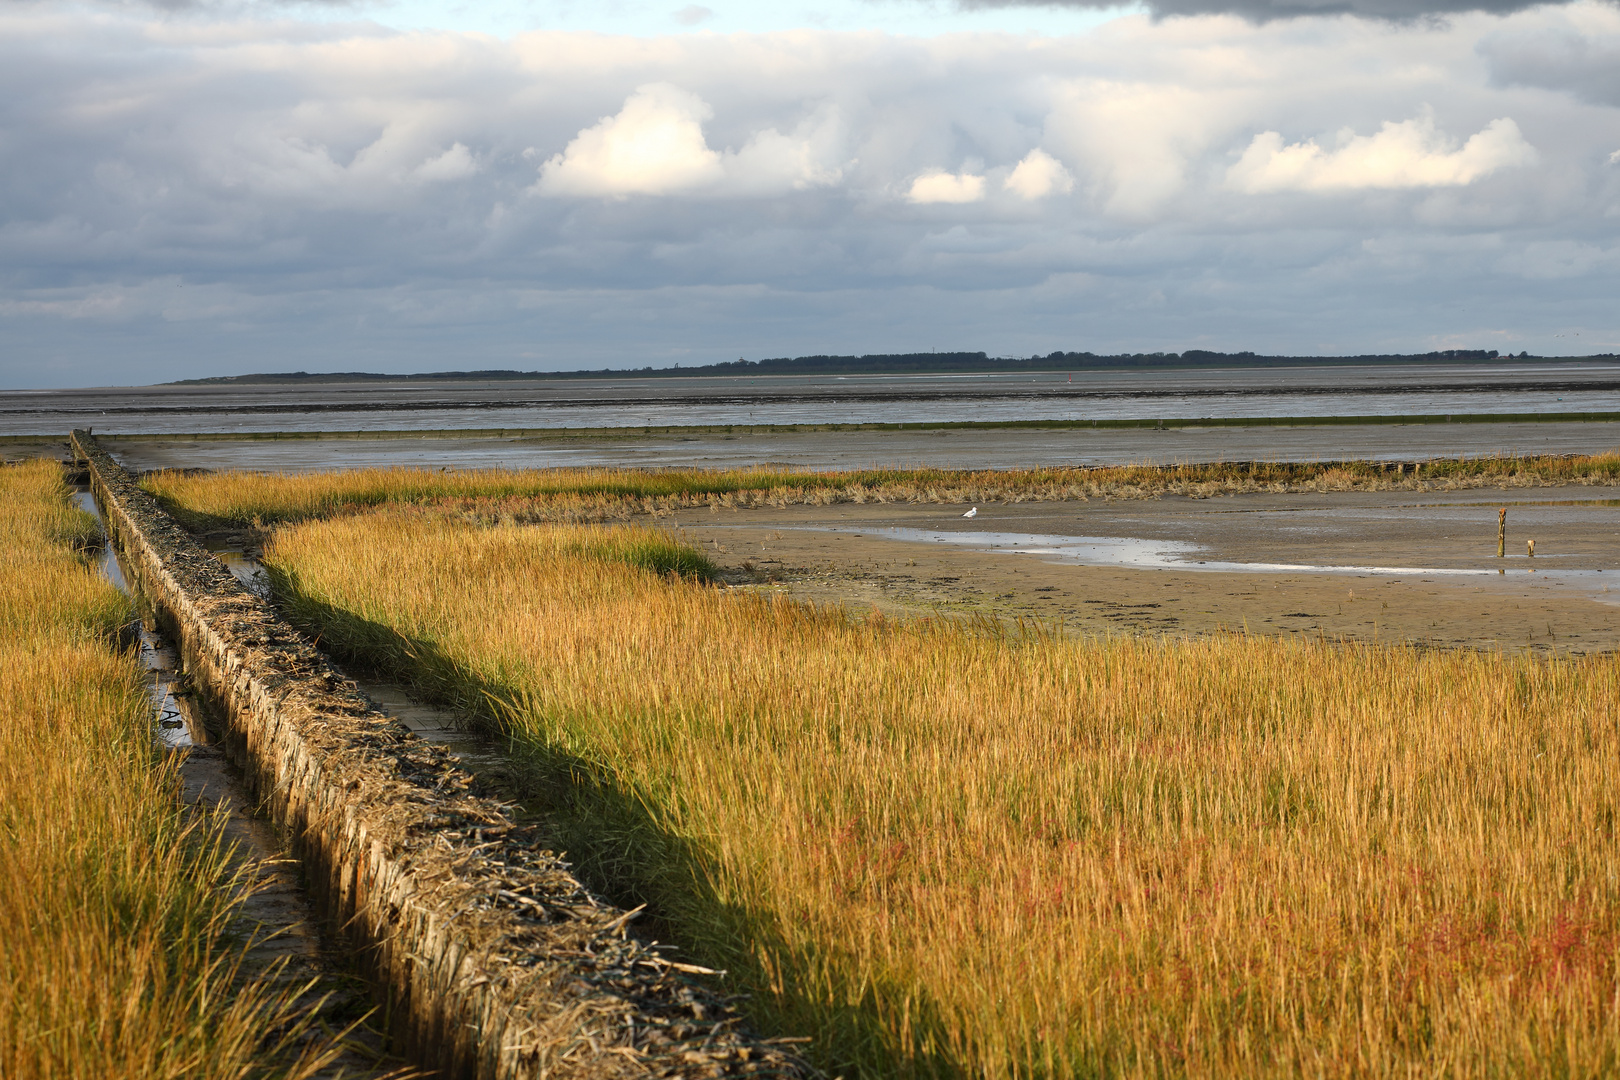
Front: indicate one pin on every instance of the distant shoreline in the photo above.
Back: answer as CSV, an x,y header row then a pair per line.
x,y
975,363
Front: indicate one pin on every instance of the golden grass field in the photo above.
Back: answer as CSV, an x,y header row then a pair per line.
x,y
943,849
119,956
241,499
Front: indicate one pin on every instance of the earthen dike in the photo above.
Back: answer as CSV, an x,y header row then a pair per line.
x,y
492,959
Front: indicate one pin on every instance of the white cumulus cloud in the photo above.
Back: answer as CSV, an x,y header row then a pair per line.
x,y
1039,175
938,186
1134,140
653,146
1409,154
455,163
771,162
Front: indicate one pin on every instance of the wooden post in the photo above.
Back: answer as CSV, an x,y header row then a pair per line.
x,y
1531,544
1501,532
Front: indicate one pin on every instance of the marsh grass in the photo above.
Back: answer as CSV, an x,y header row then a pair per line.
x,y
241,499
119,949
942,850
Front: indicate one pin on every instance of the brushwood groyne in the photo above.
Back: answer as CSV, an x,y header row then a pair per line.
x,y
493,961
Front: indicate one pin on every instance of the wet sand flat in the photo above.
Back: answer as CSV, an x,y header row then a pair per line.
x,y
948,448
26,448
1399,566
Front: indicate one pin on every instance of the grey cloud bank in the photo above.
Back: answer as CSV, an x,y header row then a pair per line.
x,y
191,197
1560,58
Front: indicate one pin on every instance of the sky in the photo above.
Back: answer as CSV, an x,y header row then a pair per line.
x,y
201,187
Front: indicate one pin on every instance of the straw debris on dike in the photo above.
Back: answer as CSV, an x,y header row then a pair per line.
x,y
961,849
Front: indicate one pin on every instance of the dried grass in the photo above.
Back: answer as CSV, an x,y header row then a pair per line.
x,y
119,954
241,499
945,850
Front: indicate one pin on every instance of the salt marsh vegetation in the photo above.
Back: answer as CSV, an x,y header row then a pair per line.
x,y
945,849
241,499
120,949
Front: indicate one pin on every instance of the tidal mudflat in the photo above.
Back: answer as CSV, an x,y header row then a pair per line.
x,y
1387,552
956,447
1392,566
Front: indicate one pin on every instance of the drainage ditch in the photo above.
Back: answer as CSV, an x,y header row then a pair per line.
x,y
277,916
426,722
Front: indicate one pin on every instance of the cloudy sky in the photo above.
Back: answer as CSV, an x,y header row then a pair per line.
x,y
193,187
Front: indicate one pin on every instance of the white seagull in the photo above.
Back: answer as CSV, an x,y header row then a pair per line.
x,y
972,513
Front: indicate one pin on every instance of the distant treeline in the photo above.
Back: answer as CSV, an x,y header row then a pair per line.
x,y
905,363
910,363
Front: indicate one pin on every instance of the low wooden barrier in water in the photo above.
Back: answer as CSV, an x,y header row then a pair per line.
x,y
494,961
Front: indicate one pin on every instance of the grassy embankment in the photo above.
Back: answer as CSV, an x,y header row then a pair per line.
x,y
118,956
241,499
941,851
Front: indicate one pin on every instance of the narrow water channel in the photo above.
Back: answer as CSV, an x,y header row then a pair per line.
x,y
427,722
278,917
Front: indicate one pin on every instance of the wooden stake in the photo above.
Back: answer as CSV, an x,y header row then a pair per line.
x,y
1501,532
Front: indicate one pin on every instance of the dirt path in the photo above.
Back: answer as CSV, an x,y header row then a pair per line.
x,y
1447,591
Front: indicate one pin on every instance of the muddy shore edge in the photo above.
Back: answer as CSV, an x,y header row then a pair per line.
x,y
492,958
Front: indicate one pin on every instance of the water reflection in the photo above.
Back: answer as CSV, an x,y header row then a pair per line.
x,y
637,402
1137,553
175,725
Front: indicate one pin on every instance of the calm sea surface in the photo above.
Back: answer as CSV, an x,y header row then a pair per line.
x,y
628,403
